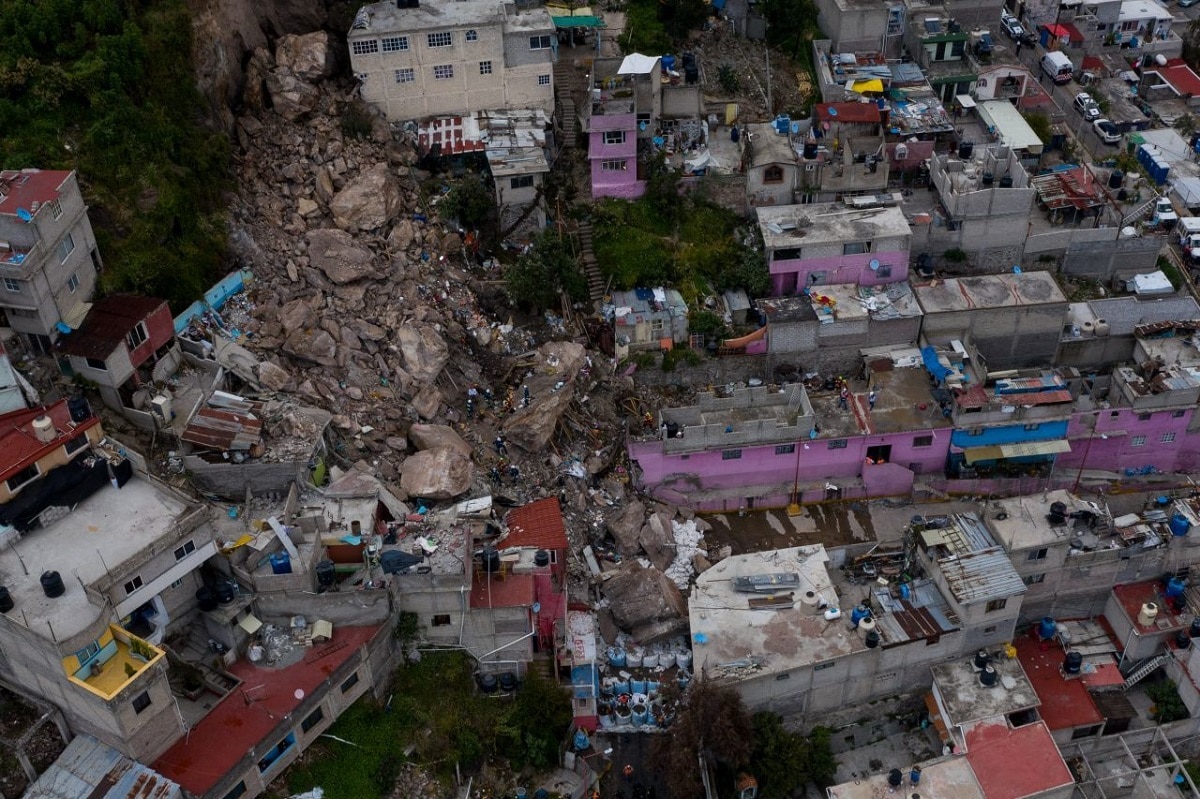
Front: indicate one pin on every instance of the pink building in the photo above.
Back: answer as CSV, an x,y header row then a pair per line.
x,y
625,99
859,242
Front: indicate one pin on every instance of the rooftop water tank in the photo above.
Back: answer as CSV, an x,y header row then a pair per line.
x,y
541,558
1073,662
43,429
1148,614
988,676
866,626
982,658
1046,628
325,573
1175,587
52,584
872,639
1180,525
79,409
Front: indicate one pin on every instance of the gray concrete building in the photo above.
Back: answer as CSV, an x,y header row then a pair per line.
x,y
48,255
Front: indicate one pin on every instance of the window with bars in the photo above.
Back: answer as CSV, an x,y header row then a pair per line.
x,y
472,36
406,75
443,72
395,44
485,67
364,46
543,80
440,39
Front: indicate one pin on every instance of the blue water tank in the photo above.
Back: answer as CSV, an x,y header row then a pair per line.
x,y
668,62
1047,628
905,591
581,740
1180,525
782,123
281,563
616,658
1175,588
858,614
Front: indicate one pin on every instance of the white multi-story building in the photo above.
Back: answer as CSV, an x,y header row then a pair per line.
x,y
453,57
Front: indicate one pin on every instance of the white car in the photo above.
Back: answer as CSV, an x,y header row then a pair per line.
x,y
1086,106
1012,27
1107,131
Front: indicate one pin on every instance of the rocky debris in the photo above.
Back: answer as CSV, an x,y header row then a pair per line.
x,y
272,377
437,436
645,603
316,346
337,255
551,389
368,202
424,352
658,542
436,474
427,401
291,97
310,57
626,527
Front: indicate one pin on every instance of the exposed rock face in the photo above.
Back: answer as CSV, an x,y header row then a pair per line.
x,y
368,202
626,527
337,256
551,390
316,346
646,603
309,57
436,474
437,436
424,352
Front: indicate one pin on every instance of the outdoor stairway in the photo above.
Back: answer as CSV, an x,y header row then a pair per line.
x,y
587,258
1144,670
1136,214
544,666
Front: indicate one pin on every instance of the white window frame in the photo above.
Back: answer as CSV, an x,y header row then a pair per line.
x,y
186,549
485,67
406,75
1137,441
439,39
614,165
541,42
13,285
521,182
37,472
134,585
364,46
543,80
64,251
471,35
443,72
1167,438
614,137
395,44
138,336
73,282
55,208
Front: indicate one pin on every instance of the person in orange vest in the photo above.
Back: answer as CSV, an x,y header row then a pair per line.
x,y
628,770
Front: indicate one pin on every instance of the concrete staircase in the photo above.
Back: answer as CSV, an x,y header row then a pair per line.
x,y
587,258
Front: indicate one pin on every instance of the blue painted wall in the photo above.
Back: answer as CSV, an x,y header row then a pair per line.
x,y
1008,434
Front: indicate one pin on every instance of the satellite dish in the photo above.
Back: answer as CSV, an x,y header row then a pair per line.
x,y
298,693
24,215
874,264
537,607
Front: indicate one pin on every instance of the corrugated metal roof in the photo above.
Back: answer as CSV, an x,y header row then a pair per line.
x,y
218,429
88,768
981,576
538,524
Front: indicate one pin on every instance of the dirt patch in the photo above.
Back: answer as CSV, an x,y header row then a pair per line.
x,y
42,745
790,84
831,525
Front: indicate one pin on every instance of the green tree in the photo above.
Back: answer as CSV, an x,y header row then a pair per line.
x,y
541,274
713,722
1040,124
471,202
790,23
784,761
535,725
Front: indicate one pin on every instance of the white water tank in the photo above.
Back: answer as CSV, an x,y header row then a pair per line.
x,y
1088,329
1148,614
1102,328
43,429
810,603
162,407
865,625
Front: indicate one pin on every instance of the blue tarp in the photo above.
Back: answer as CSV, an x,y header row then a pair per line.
x,y
929,356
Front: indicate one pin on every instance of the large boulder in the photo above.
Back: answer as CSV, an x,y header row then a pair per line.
x,y
436,474
423,350
658,540
272,377
293,98
369,201
316,346
552,389
337,256
309,57
626,527
645,603
437,436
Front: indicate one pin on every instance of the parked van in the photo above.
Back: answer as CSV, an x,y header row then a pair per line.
x,y
1058,67
1189,237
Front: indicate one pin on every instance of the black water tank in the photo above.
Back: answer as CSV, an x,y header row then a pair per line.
x,y
491,560
982,658
1006,182
1194,631
966,150
52,584
224,591
487,683
895,778
810,150
988,677
1058,508
6,600
325,573
989,178
1073,662
1182,641
541,558
79,409
872,639
206,598
508,681
1115,179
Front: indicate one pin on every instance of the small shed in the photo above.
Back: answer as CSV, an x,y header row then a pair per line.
x,y
650,319
737,305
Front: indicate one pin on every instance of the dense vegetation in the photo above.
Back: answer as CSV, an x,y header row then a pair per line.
x,y
105,87
547,269
435,709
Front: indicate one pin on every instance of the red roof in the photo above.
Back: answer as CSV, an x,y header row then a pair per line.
x,y
107,324
1093,63
19,447
1015,763
1066,704
848,112
978,397
1132,596
508,591
538,524
1181,77
256,711
21,190
450,136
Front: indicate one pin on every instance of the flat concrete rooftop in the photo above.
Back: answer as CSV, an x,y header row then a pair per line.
x,y
100,534
387,18
825,223
1026,526
965,699
952,778
740,643
988,291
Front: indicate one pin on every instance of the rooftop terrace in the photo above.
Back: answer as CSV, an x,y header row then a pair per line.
x,y
785,226
989,291
966,700
1025,525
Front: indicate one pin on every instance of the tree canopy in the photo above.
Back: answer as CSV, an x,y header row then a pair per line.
x,y
105,87
540,275
714,723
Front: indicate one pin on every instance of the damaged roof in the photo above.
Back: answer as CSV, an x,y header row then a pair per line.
x,y
88,768
223,429
538,524
107,324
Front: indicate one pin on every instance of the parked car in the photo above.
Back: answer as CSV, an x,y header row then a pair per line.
x,y
1086,106
1187,3
1107,131
1014,29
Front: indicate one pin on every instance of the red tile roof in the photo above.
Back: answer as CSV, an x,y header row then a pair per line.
x,y
255,712
538,524
1015,763
1181,77
1066,704
107,324
511,591
19,447
848,112
21,189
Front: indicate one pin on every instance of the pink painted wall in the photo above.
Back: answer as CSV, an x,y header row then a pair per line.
x,y
1119,451
598,149
838,269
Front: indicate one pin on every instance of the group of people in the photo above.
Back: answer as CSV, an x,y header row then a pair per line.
x,y
843,388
